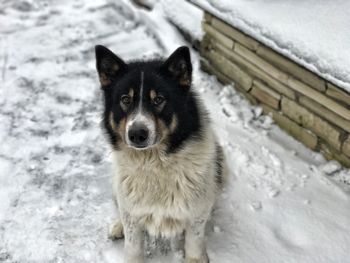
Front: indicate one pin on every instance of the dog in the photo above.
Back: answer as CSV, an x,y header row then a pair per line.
x,y
168,165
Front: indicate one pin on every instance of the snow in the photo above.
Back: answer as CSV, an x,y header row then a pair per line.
x,y
283,202
185,15
315,34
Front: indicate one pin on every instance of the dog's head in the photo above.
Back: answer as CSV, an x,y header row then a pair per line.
x,y
144,99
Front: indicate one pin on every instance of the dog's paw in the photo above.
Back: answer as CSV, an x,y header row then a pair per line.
x,y
116,230
203,259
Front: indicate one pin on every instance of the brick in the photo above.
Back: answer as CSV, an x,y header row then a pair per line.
x,y
254,70
246,94
332,154
325,113
235,34
346,147
292,68
303,135
312,122
221,38
229,69
204,44
261,63
207,17
265,95
205,66
319,97
338,94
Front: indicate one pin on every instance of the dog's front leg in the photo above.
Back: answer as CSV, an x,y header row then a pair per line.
x,y
133,235
195,248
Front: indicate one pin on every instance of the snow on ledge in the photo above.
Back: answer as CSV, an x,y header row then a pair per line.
x,y
315,34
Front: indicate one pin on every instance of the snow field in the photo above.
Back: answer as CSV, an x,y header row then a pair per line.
x,y
282,203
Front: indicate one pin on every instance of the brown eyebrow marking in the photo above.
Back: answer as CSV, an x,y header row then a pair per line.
x,y
153,94
131,92
174,123
111,121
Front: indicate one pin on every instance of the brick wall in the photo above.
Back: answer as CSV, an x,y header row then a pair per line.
x,y
312,110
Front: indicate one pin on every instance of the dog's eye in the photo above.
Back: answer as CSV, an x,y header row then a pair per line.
x,y
158,100
125,99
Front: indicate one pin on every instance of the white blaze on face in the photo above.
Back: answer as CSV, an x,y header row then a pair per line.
x,y
139,116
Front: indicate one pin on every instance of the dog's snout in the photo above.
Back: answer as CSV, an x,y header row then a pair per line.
x,y
138,135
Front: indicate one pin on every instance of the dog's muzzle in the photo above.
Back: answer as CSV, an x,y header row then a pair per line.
x,y
138,135
140,132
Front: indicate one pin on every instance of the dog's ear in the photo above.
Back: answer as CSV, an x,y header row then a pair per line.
x,y
180,67
109,66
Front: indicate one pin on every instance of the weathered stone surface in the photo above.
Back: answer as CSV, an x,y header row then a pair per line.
x,y
205,66
325,113
230,69
338,94
319,97
205,44
265,95
261,63
207,17
303,135
262,77
254,70
234,34
346,147
332,154
312,122
221,38
292,68
246,94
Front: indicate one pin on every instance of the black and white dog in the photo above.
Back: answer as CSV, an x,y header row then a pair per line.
x,y
168,167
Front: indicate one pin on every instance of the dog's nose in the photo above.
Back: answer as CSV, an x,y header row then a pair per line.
x,y
138,134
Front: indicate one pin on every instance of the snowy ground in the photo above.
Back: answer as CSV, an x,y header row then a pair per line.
x,y
316,34
283,203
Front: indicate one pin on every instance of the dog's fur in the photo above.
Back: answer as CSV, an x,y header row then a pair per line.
x,y
165,181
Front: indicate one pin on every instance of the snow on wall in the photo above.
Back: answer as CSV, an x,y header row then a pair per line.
x,y
315,34
185,16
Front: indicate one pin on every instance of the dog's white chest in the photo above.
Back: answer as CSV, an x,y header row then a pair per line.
x,y
150,188
159,196
164,193
152,185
